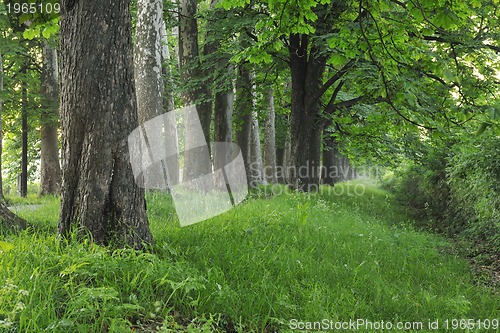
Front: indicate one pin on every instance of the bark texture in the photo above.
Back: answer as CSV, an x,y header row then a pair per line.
x,y
148,59
50,169
223,112
256,164
98,111
9,220
307,68
243,112
270,140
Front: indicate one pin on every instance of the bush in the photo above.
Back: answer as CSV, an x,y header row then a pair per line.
x,y
474,179
422,187
456,190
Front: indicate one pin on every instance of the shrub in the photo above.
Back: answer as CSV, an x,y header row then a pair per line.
x,y
474,180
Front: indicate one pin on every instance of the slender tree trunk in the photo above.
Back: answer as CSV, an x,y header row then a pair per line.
x,y
24,135
171,134
148,59
50,169
196,161
270,141
330,172
243,119
256,165
98,111
1,127
168,82
223,112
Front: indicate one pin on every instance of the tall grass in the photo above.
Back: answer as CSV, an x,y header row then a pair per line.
x,y
340,254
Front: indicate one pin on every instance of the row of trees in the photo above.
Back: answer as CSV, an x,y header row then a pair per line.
x,y
318,75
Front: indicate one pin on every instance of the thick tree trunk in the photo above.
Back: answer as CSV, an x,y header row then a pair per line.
x,y
243,116
98,111
50,169
307,71
270,140
1,126
9,220
196,161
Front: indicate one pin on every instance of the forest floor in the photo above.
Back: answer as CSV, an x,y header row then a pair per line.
x,y
278,262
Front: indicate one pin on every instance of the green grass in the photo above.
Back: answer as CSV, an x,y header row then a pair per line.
x,y
346,253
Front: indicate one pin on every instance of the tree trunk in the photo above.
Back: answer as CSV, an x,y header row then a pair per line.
x,y
256,165
196,161
1,126
50,169
243,119
171,133
270,141
168,82
98,111
223,114
330,172
23,188
148,59
9,220
149,54
307,71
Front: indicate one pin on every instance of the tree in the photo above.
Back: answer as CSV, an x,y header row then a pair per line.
x,y
196,161
270,140
243,116
411,54
50,169
98,110
148,59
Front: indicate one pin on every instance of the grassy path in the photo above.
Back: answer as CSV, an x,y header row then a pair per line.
x,y
275,263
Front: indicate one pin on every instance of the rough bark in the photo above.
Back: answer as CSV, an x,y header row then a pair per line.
x,y
50,169
9,220
223,113
168,93
270,140
243,116
150,51
148,59
98,110
307,71
1,126
256,165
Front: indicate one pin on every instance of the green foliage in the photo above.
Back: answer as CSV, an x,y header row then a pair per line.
x,y
455,189
474,178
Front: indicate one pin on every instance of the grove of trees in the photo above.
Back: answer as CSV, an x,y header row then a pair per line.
x,y
313,91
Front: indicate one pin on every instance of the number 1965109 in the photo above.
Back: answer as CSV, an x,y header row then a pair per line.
x,y
33,8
